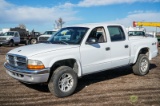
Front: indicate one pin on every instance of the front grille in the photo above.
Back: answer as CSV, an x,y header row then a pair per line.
x,y
43,38
2,39
16,61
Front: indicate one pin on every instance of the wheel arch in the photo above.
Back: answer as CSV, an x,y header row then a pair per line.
x,y
71,62
142,50
11,40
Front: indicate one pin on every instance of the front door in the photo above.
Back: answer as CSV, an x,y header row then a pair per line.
x,y
95,56
16,37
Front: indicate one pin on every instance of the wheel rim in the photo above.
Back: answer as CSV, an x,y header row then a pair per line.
x,y
144,65
33,41
65,82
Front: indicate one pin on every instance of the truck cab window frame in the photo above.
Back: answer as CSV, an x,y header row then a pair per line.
x,y
116,33
98,34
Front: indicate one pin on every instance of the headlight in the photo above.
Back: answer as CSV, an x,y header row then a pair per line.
x,y
7,58
35,64
8,38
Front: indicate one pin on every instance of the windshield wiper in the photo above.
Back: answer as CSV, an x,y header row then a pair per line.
x,y
64,42
60,42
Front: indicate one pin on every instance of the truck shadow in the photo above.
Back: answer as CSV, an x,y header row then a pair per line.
x,y
92,78
102,76
106,75
39,87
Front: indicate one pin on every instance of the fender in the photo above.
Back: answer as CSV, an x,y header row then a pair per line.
x,y
137,52
54,60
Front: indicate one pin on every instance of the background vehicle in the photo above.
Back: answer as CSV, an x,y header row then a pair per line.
x,y
10,38
134,31
25,36
44,37
33,37
149,24
77,51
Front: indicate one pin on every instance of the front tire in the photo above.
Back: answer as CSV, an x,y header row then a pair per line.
x,y
17,44
63,82
141,67
11,43
26,42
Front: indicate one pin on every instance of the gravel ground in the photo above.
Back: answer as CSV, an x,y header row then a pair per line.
x,y
113,87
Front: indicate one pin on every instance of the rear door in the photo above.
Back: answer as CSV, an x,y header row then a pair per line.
x,y
119,46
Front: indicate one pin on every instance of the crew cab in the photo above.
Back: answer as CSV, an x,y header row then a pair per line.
x,y
44,37
11,38
79,50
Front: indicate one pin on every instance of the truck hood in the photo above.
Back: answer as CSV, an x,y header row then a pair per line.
x,y
34,49
45,36
6,36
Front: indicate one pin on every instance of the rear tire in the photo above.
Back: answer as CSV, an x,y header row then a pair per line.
x,y
141,67
33,41
63,82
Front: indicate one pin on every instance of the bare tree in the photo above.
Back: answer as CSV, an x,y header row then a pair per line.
x,y
22,26
59,23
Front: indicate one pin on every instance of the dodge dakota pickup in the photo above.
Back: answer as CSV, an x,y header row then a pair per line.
x,y
79,50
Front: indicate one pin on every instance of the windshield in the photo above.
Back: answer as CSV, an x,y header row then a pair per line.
x,y
49,32
136,33
1,34
8,34
69,35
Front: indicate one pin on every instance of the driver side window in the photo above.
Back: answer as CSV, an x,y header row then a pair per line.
x,y
97,35
16,34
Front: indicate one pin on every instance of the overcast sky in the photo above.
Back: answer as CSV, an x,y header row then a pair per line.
x,y
40,15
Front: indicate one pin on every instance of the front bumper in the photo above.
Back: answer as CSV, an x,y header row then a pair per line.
x,y
27,76
4,42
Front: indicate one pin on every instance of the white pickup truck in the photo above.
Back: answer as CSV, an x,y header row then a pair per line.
x,y
44,37
11,38
85,49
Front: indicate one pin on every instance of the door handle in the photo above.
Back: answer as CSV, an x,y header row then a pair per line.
x,y
153,43
126,46
107,48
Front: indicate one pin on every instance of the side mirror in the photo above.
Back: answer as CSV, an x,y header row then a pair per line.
x,y
92,41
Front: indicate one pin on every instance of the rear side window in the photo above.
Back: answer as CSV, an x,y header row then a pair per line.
x,y
116,33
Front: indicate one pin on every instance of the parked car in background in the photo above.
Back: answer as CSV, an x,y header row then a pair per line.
x,y
33,37
136,33
26,37
44,37
10,38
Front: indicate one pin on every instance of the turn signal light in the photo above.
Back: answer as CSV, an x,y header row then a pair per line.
x,y
37,67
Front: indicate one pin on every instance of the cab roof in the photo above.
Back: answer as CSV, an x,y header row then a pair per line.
x,y
93,25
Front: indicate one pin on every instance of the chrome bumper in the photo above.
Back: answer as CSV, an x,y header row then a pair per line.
x,y
28,76
4,42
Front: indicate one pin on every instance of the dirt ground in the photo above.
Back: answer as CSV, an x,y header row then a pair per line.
x,y
118,87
